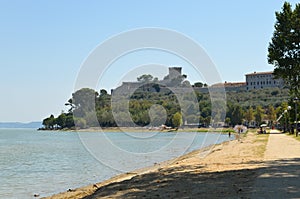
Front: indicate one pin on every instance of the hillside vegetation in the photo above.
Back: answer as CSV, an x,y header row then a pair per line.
x,y
88,108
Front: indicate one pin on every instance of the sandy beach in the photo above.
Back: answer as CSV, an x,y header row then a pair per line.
x,y
235,169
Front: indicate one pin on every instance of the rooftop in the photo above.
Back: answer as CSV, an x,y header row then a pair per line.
x,y
260,73
229,84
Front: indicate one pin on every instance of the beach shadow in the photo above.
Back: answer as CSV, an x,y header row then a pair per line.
x,y
265,182
279,179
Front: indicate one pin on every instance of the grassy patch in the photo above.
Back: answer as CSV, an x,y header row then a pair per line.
x,y
205,130
227,130
294,136
260,141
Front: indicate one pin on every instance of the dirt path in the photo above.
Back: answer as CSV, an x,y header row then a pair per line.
x,y
281,146
281,176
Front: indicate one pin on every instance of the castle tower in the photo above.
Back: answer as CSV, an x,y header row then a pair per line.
x,y
174,72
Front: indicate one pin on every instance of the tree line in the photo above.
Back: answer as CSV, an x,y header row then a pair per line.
x,y
88,108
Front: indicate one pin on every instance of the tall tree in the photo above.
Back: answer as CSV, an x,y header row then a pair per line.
x,y
49,122
249,115
177,120
284,48
237,115
83,101
61,120
259,115
271,114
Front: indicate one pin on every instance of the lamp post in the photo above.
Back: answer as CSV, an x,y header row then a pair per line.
x,y
296,118
285,124
288,125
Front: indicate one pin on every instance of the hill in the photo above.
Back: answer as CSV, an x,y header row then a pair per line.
x,y
34,125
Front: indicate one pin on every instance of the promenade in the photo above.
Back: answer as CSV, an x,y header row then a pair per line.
x,y
281,176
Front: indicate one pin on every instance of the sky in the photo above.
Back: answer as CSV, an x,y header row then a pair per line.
x,y
44,44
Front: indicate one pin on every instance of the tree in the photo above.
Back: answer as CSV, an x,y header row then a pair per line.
x,y
192,119
271,114
284,48
158,115
49,122
91,119
83,101
145,78
105,117
249,115
70,103
237,115
207,121
69,121
186,83
227,121
103,92
198,84
177,120
61,120
80,123
259,114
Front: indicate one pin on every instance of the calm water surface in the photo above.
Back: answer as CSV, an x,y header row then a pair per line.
x,y
45,163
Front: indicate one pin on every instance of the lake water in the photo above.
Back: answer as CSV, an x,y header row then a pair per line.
x,y
45,163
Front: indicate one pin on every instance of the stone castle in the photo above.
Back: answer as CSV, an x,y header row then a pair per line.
x,y
254,81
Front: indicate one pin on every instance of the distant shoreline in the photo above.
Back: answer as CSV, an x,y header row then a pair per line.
x,y
18,125
143,130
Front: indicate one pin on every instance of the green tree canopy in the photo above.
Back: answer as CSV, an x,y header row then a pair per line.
x,y
145,78
259,114
83,101
237,115
198,84
271,113
284,48
177,120
49,122
249,115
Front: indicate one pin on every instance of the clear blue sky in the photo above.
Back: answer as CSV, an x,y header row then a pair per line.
x,y
43,43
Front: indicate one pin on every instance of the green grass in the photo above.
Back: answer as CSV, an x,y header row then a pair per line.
x,y
216,130
294,136
261,140
205,130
